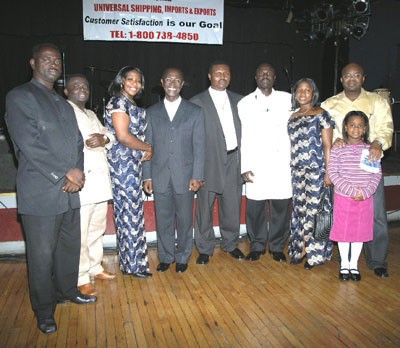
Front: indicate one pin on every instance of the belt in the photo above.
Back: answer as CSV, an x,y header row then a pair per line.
x,y
231,151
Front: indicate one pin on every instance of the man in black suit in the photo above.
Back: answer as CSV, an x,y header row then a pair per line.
x,y
222,166
176,132
48,147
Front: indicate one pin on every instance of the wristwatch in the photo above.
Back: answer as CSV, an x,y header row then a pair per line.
x,y
105,137
378,142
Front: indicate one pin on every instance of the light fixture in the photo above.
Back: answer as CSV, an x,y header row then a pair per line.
x,y
360,27
335,19
360,6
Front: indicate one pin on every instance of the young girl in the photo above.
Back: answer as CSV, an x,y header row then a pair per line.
x,y
355,179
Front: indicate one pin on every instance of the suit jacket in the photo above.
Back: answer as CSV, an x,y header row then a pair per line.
x,y
215,141
97,174
178,146
47,144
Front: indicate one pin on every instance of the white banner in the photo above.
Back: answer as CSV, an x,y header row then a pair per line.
x,y
185,21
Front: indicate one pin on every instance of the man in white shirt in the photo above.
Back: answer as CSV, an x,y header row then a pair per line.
x,y
175,130
222,167
97,190
265,168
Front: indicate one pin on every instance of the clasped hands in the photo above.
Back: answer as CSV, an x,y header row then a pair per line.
x,y
75,179
95,140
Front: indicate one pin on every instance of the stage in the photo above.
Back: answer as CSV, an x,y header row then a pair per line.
x,y
12,241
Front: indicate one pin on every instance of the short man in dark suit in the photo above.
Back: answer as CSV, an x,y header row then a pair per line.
x,y
176,132
48,147
222,167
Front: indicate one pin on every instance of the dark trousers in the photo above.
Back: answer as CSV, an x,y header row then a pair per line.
x,y
376,250
229,204
53,249
260,232
172,207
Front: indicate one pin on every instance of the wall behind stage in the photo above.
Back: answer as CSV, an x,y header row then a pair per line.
x,y
251,36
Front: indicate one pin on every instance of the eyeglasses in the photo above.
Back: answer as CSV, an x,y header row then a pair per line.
x,y
172,80
48,60
266,73
350,75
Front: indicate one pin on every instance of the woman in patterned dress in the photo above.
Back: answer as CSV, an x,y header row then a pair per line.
x,y
127,122
310,131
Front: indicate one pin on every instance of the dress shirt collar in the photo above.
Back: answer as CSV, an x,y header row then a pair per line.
x,y
172,107
175,102
218,95
260,94
362,95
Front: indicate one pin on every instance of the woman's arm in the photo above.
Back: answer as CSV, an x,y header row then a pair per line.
x,y
120,122
327,134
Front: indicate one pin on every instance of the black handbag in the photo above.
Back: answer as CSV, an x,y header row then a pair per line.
x,y
323,219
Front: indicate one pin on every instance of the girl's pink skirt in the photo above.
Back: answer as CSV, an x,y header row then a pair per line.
x,y
353,221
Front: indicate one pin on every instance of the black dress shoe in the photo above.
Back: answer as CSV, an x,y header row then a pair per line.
x,y
254,255
80,299
47,325
181,267
381,272
84,299
162,267
344,274
355,275
278,256
142,274
203,259
307,266
237,254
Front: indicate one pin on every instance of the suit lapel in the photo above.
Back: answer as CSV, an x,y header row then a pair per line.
x,y
180,113
163,112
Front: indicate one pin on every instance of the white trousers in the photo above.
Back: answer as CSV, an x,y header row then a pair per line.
x,y
93,226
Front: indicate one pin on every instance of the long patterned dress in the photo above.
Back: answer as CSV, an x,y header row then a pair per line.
x,y
126,179
308,171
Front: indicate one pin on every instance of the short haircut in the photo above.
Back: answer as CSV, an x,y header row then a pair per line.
x,y
265,64
70,77
40,47
217,62
172,68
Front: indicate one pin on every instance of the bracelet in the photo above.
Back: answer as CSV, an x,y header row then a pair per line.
x,y
105,137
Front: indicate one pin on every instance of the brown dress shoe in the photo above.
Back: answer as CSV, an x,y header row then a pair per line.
x,y
87,289
105,275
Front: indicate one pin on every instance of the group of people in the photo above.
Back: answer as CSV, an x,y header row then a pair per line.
x,y
278,144
294,150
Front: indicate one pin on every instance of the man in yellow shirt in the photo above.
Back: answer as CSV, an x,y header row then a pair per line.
x,y
354,97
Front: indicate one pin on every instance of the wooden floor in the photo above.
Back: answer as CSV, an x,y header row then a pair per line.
x,y
227,303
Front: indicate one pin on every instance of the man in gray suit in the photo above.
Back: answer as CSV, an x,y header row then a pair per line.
x,y
222,167
176,132
48,147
